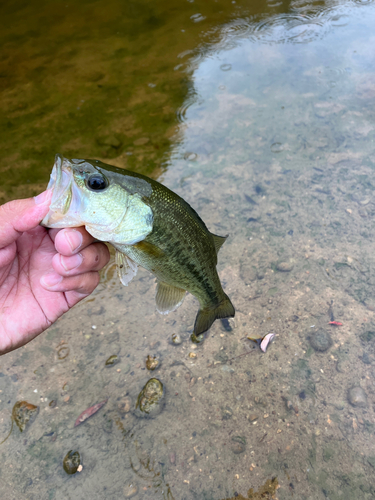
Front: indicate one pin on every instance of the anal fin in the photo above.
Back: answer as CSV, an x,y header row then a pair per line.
x,y
126,268
168,297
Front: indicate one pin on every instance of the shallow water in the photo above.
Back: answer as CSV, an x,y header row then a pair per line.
x,y
264,118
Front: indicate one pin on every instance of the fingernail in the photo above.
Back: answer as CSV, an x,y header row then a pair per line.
x,y
70,263
51,279
74,238
42,197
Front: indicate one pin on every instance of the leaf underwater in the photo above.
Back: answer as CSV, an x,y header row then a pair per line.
x,y
89,412
149,225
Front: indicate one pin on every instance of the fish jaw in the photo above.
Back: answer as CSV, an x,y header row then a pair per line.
x,y
66,203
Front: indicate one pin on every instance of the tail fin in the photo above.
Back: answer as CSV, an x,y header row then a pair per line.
x,y
207,315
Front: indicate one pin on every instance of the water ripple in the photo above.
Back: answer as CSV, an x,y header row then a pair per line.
x,y
288,28
305,23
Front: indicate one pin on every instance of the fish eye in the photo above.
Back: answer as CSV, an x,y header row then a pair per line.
x,y
97,182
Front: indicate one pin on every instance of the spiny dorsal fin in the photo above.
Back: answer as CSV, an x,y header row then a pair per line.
x,y
168,297
218,241
126,268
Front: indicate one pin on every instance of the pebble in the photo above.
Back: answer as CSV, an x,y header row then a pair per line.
x,y
284,267
176,339
130,490
71,462
253,417
340,367
23,414
320,340
197,339
192,354
152,363
238,445
150,399
112,360
227,413
124,405
357,396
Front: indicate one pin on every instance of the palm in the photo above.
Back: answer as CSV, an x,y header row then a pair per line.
x,y
43,273
27,307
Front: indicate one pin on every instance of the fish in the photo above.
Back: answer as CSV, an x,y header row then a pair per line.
x,y
149,225
89,412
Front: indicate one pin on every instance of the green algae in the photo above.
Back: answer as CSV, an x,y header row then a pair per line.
x,y
88,82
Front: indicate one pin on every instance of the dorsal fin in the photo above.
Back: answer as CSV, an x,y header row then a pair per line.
x,y
218,241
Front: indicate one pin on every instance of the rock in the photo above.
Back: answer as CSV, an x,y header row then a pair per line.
x,y
112,360
238,444
340,366
150,399
260,274
320,340
227,413
221,357
367,359
248,273
284,267
152,363
124,405
176,339
22,413
357,396
71,462
197,339
130,490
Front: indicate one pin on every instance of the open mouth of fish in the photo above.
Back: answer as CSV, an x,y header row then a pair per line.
x,y
63,200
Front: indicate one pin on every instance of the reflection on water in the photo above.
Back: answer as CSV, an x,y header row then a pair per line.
x,y
267,119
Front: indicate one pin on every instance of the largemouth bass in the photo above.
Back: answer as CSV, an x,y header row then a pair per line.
x,y
149,226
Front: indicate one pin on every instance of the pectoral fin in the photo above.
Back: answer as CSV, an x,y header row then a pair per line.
x,y
168,298
126,268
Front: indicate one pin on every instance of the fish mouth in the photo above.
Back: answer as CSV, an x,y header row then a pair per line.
x,y
62,184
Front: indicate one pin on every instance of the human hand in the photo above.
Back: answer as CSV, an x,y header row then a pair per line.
x,y
43,272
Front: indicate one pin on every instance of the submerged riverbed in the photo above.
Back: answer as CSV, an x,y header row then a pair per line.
x,y
262,118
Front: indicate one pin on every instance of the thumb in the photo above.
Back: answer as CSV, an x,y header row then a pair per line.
x,y
19,216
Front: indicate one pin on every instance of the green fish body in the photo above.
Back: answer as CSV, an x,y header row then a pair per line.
x,y
149,225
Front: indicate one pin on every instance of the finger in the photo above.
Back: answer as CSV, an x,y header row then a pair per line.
x,y
92,258
83,284
71,241
22,215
